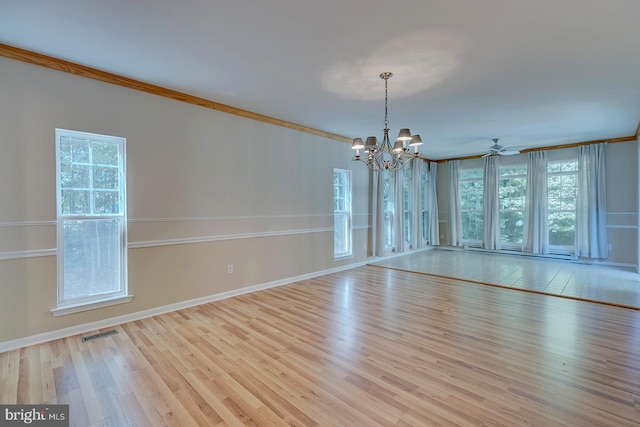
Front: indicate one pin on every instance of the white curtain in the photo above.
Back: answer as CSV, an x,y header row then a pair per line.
x,y
417,169
398,215
536,221
378,214
432,206
591,213
491,204
455,215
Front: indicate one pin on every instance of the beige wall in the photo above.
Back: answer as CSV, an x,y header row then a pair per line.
x,y
622,196
205,189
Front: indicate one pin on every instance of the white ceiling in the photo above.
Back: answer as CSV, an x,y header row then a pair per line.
x,y
530,72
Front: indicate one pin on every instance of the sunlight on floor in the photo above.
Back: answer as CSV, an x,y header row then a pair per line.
x,y
613,285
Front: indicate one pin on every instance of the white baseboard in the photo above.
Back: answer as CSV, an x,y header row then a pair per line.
x,y
113,321
607,264
559,257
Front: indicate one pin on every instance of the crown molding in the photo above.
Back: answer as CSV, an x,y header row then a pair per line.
x,y
103,76
556,147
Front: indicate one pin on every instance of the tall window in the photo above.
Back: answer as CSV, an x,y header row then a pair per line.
x,y
407,204
91,212
512,192
387,194
424,206
471,202
342,230
562,181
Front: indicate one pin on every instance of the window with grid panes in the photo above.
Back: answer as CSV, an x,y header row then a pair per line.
x,y
342,228
91,218
512,193
471,204
562,190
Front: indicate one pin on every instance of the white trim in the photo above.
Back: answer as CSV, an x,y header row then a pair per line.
x,y
567,257
8,255
361,227
34,253
77,308
112,321
622,213
399,254
634,227
168,242
26,223
225,218
561,257
606,263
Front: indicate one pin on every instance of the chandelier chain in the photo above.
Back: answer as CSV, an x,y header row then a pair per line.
x,y
386,101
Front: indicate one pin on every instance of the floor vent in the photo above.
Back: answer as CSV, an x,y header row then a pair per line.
x,y
100,335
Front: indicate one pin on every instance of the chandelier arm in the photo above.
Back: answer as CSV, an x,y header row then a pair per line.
x,y
397,165
385,156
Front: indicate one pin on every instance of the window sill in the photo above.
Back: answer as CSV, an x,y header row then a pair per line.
x,y
70,309
339,257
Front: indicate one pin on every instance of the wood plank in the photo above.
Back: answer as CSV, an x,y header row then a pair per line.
x,y
368,346
10,375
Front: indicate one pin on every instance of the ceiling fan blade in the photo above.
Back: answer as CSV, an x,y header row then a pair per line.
x,y
499,150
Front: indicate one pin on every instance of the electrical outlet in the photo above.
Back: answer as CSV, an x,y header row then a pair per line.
x,y
229,268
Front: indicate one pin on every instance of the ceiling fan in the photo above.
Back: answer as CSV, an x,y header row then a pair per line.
x,y
498,150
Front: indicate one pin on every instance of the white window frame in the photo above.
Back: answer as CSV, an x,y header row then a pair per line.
x,y
342,213
88,302
388,210
408,176
502,177
561,249
462,180
425,189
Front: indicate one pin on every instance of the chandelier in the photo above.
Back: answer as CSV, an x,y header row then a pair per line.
x,y
379,157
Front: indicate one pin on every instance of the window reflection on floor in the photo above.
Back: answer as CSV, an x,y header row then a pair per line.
x,y
613,285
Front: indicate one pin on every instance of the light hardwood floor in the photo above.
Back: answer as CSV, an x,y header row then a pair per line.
x,y
365,347
598,283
